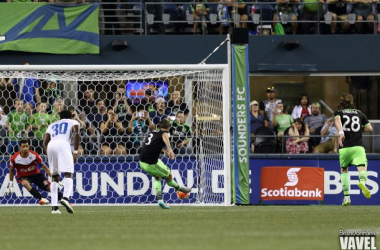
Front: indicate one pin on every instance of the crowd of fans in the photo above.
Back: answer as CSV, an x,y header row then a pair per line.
x,y
117,125
108,127
305,131
275,16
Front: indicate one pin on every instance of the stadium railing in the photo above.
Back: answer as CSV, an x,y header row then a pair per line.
x,y
140,18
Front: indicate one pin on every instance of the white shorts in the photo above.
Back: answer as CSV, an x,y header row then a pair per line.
x,y
60,157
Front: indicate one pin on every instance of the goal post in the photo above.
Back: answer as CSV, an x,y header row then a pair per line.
x,y
195,98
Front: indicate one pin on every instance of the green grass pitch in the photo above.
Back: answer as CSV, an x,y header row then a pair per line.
x,y
183,227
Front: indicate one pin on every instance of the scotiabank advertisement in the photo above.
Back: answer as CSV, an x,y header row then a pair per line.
x,y
291,183
310,180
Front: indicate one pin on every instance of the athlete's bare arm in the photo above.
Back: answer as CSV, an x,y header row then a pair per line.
x,y
368,128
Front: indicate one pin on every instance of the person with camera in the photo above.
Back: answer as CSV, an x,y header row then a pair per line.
x,y
121,106
139,126
112,130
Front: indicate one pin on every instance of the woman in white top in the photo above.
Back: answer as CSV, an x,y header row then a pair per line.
x,y
303,108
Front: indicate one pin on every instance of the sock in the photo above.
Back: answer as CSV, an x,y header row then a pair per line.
x,y
172,183
345,184
54,193
363,176
35,193
157,187
68,187
59,196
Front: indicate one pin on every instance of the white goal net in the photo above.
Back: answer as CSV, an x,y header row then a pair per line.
x,y
117,106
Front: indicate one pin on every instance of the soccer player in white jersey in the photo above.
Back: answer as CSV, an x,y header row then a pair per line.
x,y
61,159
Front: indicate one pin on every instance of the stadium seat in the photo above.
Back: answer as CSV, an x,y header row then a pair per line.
x,y
265,144
173,12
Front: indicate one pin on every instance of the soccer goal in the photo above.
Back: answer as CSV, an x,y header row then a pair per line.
x,y
117,106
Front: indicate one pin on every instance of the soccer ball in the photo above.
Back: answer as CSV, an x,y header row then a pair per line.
x,y
182,195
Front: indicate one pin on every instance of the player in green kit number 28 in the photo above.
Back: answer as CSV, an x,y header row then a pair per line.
x,y
149,162
349,123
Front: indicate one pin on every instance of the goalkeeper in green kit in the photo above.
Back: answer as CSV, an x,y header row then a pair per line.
x,y
149,162
349,123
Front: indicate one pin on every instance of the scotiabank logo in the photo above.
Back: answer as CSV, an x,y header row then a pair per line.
x,y
290,183
293,177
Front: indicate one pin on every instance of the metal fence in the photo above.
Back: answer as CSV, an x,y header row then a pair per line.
x,y
162,17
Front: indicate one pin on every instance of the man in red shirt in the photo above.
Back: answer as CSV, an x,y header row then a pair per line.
x,y
26,164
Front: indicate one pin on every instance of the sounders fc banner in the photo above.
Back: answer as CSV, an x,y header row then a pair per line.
x,y
47,28
240,83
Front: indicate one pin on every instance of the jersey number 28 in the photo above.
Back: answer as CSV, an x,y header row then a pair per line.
x,y
351,124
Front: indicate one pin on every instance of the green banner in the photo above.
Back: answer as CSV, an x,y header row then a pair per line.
x,y
48,28
240,82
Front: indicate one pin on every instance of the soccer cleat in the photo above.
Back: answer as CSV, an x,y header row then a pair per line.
x,y
346,201
184,189
43,201
365,190
68,206
55,212
163,205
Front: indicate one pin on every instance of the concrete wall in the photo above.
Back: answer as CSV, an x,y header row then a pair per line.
x,y
323,53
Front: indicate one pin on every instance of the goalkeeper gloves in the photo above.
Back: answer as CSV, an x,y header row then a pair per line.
x,y
10,188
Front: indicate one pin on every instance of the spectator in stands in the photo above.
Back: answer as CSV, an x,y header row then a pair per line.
x,y
39,122
112,129
176,104
59,105
49,92
100,116
298,143
28,108
148,100
200,10
338,11
180,133
159,114
280,119
257,120
267,106
287,7
315,120
329,143
363,11
241,7
311,12
88,135
303,108
27,87
121,106
17,125
88,102
139,126
83,130
3,131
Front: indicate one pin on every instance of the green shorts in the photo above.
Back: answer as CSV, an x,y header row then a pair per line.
x,y
352,156
156,170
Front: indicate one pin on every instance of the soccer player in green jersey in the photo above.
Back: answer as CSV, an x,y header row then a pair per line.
x,y
350,122
40,121
17,125
149,162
